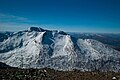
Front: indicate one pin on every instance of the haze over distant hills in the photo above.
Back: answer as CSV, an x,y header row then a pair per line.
x,y
38,48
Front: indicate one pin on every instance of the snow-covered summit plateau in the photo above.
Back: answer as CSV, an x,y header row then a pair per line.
x,y
38,48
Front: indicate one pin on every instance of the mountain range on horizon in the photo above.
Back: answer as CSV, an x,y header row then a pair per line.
x,y
39,48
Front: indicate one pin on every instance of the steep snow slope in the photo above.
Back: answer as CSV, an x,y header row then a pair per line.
x,y
37,48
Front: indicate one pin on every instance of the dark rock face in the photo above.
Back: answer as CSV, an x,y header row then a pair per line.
x,y
62,32
36,29
3,65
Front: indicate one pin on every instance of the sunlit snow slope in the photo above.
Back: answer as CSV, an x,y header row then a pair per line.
x,y
39,48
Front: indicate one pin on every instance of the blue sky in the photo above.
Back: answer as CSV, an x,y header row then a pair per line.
x,y
102,16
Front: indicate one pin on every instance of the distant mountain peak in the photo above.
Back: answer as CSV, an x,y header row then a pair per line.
x,y
38,29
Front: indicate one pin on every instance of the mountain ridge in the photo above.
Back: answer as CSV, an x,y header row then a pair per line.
x,y
39,48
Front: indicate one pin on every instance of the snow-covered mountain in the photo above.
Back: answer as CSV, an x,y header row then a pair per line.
x,y
111,39
38,48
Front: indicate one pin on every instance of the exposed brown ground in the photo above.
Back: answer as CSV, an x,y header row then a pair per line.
x,y
50,74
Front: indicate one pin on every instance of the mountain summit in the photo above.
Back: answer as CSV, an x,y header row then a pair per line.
x,y
38,48
36,29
